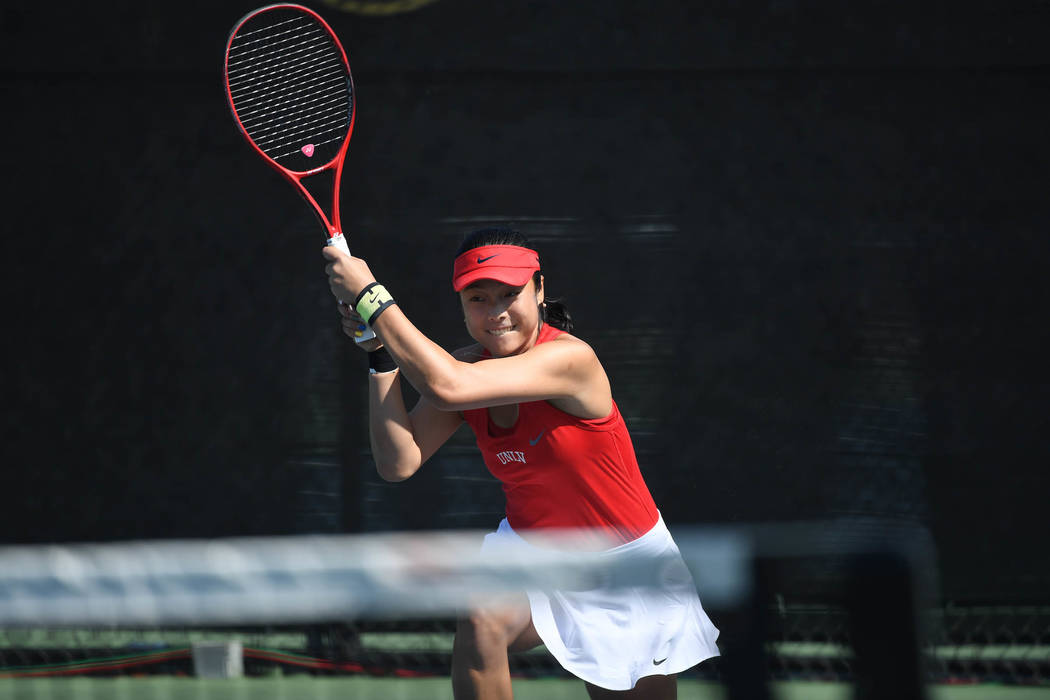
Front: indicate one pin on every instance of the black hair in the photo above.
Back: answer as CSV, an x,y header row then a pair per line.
x,y
552,311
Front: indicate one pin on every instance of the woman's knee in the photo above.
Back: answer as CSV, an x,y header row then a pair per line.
x,y
497,629
481,628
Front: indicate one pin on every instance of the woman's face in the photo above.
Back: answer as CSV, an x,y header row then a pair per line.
x,y
503,318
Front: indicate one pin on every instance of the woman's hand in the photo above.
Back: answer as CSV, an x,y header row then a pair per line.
x,y
352,324
347,275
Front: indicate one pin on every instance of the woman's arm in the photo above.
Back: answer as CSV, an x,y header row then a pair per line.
x,y
402,441
565,369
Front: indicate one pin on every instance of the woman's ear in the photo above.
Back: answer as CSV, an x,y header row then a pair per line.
x,y
539,292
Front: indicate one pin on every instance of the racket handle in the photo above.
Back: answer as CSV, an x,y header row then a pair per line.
x,y
339,241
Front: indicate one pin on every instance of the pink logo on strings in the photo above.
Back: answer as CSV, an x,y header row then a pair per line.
x,y
308,150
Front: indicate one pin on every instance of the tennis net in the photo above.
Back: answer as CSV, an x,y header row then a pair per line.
x,y
797,601
382,603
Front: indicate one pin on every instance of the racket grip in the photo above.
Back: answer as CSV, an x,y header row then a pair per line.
x,y
339,241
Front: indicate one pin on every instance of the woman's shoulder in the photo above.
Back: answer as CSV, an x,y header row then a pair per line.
x,y
571,351
566,339
593,399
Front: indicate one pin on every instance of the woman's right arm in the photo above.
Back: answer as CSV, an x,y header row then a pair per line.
x,y
403,441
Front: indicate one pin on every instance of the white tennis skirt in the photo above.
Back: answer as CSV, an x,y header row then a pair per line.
x,y
611,637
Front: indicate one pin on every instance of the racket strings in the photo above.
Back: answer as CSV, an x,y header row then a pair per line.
x,y
288,134
297,33
268,81
280,95
313,44
274,111
289,85
269,27
286,70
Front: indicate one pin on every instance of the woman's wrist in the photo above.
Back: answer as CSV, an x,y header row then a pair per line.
x,y
373,300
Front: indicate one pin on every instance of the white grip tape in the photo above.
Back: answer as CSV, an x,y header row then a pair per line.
x,y
339,241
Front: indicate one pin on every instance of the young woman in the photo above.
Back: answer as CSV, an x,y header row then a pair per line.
x,y
541,408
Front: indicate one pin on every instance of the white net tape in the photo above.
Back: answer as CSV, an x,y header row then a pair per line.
x,y
312,578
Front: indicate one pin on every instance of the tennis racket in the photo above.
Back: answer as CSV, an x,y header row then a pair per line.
x,y
291,94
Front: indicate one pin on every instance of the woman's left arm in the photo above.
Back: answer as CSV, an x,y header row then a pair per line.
x,y
562,369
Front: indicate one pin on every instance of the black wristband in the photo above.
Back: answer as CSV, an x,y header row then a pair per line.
x,y
381,361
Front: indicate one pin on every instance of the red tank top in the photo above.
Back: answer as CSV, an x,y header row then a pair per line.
x,y
560,471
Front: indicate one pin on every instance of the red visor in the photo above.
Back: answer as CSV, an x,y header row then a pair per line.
x,y
509,264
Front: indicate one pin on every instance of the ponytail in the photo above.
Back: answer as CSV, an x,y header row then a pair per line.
x,y
553,312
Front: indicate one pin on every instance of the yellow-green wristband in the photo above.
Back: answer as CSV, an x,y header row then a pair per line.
x,y
372,301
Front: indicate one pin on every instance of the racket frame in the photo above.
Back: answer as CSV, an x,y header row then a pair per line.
x,y
332,226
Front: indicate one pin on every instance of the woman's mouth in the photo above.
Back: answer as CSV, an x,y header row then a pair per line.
x,y
501,331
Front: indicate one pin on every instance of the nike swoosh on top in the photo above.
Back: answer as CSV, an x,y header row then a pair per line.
x,y
481,260
657,663
537,438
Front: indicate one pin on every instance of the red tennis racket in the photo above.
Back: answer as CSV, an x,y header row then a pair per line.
x,y
289,88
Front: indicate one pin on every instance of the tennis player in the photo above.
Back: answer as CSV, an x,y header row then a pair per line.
x,y
541,408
